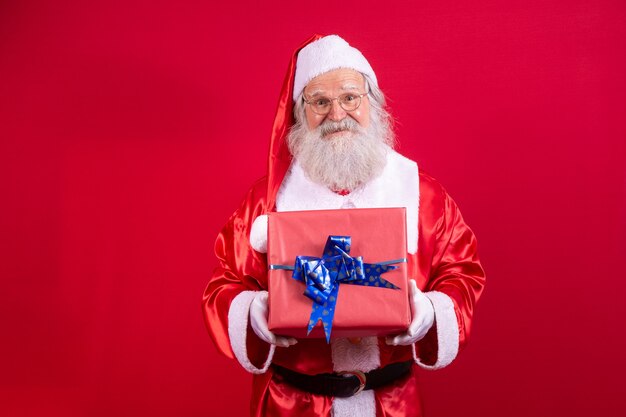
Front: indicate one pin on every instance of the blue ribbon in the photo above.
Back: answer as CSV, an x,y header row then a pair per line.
x,y
322,277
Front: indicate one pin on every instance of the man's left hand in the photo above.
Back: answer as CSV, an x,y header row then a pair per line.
x,y
423,318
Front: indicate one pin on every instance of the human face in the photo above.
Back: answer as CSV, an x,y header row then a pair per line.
x,y
332,84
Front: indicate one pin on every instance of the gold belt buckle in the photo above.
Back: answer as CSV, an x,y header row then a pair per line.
x,y
361,377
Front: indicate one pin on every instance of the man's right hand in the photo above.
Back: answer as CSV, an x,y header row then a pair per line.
x,y
258,321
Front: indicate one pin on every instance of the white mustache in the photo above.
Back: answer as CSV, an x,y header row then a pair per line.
x,y
330,126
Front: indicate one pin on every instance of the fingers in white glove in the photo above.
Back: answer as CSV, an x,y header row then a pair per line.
x,y
258,321
423,318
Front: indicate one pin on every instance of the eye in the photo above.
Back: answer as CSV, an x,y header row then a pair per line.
x,y
321,102
348,98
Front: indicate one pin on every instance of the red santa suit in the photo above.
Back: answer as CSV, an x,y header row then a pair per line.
x,y
442,258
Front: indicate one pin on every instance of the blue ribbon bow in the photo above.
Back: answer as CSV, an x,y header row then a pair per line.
x,y
322,277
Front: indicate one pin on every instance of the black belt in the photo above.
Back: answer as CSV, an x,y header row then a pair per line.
x,y
344,384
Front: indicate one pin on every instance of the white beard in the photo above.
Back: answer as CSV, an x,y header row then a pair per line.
x,y
343,161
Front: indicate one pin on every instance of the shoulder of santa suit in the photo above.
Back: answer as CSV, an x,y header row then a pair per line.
x,y
429,184
427,181
432,192
258,188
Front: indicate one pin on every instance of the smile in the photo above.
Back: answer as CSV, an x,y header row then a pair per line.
x,y
336,132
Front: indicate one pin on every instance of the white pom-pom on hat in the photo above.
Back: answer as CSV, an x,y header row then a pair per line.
x,y
327,54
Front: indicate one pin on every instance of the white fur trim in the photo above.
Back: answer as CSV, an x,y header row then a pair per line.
x,y
238,316
362,405
326,54
447,331
258,234
397,186
363,356
347,356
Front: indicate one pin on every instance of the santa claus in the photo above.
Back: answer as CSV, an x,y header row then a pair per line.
x,y
332,148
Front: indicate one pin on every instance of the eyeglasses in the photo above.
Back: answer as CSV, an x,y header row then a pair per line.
x,y
347,101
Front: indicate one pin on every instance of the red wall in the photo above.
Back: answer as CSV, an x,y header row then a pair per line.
x,y
129,131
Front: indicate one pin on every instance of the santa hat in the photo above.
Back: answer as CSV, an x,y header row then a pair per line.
x,y
329,53
314,57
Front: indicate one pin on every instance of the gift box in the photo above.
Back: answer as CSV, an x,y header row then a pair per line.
x,y
338,273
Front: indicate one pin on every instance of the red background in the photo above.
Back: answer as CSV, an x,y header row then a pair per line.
x,y
129,131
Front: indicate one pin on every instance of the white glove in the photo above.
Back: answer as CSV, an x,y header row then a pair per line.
x,y
258,321
423,318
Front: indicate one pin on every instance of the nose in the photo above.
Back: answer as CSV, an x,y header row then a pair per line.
x,y
336,113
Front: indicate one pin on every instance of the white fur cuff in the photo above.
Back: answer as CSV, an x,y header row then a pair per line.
x,y
258,234
447,331
238,315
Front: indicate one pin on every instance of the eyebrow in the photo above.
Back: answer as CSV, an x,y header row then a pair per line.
x,y
314,93
345,87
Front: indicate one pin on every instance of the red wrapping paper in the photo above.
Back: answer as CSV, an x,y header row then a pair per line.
x,y
377,234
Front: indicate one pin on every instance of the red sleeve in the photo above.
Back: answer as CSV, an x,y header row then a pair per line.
x,y
456,270
454,277
239,268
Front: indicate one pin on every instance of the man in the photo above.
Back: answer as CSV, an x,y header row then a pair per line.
x,y
332,149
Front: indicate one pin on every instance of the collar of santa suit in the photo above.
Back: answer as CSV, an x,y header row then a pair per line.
x,y
396,186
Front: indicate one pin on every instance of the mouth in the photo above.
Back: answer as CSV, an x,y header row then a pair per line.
x,y
335,133
344,128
